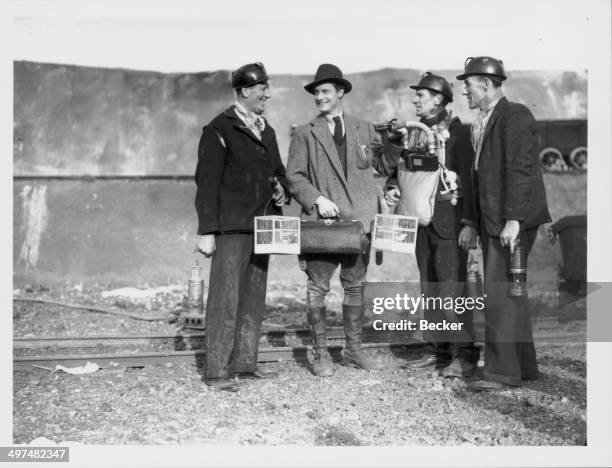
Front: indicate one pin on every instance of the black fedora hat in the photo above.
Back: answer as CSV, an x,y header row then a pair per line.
x,y
328,73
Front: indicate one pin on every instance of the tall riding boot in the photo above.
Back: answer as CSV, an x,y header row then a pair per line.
x,y
353,354
322,363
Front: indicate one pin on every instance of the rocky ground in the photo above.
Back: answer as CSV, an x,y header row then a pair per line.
x,y
171,405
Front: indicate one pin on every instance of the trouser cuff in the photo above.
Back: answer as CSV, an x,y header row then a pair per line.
x,y
505,379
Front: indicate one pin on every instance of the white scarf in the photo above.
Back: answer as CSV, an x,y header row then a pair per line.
x,y
254,122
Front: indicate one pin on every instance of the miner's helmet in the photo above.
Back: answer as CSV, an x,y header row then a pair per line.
x,y
249,75
487,66
435,83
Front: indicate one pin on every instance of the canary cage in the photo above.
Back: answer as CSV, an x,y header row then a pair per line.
x,y
277,235
395,232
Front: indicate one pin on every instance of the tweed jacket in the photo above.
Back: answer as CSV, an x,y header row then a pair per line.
x,y
314,169
509,180
232,175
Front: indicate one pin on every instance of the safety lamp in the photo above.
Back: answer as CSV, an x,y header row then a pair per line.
x,y
193,315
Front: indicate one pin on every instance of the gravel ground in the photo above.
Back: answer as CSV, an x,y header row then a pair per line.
x,y
392,406
171,405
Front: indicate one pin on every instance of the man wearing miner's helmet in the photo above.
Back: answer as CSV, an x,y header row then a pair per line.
x,y
510,202
442,244
239,172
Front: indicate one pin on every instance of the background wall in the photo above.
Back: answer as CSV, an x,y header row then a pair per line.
x,y
144,231
82,120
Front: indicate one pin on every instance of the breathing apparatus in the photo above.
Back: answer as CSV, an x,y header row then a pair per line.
x,y
435,156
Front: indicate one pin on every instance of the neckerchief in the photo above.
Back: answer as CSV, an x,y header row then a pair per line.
x,y
479,126
417,140
254,122
436,119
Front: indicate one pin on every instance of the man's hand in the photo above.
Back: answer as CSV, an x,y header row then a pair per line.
x,y
327,208
207,245
278,196
396,131
509,234
392,196
467,238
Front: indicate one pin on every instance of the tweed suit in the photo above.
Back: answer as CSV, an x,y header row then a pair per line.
x,y
314,169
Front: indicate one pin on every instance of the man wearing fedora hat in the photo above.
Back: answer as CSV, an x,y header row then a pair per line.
x,y
239,172
442,245
330,174
510,201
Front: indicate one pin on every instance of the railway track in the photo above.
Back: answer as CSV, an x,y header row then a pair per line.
x,y
145,358
179,341
143,350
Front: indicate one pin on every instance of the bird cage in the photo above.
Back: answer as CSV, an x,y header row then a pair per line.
x,y
395,232
277,235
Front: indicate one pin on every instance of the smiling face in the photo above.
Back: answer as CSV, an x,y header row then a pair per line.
x,y
255,97
475,91
426,103
328,98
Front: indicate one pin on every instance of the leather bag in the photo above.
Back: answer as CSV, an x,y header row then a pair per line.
x,y
337,237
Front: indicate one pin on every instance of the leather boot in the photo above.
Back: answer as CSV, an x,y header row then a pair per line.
x,y
321,364
353,354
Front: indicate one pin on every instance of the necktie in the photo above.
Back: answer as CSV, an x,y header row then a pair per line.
x,y
337,130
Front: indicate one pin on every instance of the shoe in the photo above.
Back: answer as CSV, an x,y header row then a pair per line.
x,y
426,361
359,359
321,364
255,375
223,383
459,368
488,386
353,353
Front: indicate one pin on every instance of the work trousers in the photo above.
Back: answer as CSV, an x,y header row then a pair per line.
x,y
442,267
320,267
510,354
235,306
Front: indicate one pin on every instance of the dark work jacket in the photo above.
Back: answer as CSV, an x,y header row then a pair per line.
x,y
447,219
509,179
232,175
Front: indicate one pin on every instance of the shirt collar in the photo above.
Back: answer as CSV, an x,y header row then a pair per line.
x,y
330,117
241,110
491,105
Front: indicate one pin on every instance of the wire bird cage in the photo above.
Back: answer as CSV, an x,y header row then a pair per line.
x,y
277,235
395,232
